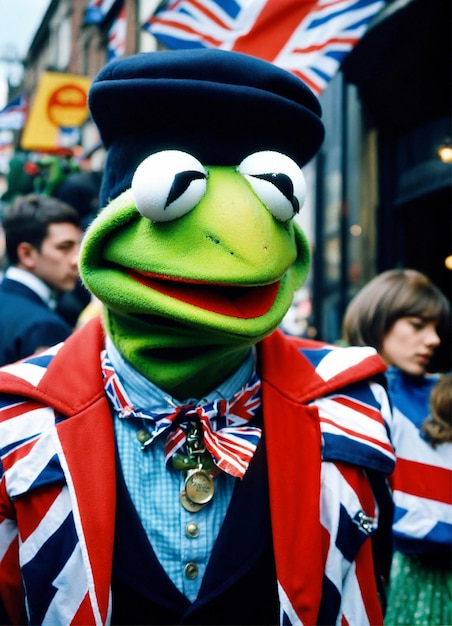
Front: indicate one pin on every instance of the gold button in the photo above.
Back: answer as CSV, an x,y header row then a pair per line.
x,y
191,570
143,435
192,530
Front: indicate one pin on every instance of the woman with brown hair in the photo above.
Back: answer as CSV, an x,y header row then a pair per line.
x,y
403,315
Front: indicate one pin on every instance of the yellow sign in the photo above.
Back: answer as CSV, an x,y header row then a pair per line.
x,y
58,108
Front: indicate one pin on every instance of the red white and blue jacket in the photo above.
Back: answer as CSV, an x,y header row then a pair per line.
x,y
422,479
326,424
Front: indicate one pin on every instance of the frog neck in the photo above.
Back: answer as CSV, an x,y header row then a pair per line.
x,y
183,360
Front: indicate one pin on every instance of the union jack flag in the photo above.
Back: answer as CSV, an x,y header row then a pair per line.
x,y
346,435
307,37
97,10
422,478
13,116
117,36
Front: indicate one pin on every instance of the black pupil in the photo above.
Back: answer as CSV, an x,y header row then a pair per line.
x,y
181,183
285,186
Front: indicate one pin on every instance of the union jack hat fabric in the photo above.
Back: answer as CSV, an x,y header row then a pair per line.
x,y
218,105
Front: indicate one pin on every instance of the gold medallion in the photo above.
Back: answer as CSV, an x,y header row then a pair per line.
x,y
199,486
188,505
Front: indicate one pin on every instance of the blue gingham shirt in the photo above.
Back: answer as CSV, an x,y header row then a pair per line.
x,y
155,490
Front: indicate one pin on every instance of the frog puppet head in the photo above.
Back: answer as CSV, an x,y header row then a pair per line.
x,y
195,255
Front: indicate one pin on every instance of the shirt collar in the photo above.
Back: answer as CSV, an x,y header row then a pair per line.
x,y
32,282
143,393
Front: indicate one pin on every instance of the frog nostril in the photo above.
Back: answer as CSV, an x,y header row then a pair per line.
x,y
213,239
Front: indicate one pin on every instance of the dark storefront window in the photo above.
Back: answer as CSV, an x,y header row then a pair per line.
x,y
344,253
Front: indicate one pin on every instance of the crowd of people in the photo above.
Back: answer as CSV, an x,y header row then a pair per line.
x,y
180,458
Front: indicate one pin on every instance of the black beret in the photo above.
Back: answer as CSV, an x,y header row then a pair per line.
x,y
218,105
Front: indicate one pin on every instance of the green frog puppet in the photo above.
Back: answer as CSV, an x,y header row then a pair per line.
x,y
179,459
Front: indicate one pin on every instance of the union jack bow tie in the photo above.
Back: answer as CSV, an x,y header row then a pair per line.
x,y
228,438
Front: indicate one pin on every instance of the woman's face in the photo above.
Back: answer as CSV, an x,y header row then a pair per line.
x,y
409,345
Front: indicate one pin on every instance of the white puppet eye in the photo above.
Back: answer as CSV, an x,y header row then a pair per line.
x,y
168,184
277,181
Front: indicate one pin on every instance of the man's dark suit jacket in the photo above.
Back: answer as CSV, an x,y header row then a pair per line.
x,y
26,322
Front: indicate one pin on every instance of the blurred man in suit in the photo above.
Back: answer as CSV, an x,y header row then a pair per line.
x,y
42,237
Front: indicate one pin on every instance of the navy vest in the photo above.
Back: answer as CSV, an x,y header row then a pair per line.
x,y
239,585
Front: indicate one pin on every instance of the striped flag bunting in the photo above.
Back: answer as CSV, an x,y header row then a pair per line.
x,y
13,116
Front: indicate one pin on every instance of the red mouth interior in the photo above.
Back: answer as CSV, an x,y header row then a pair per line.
x,y
233,301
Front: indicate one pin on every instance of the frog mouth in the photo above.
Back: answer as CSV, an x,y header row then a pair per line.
x,y
231,300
